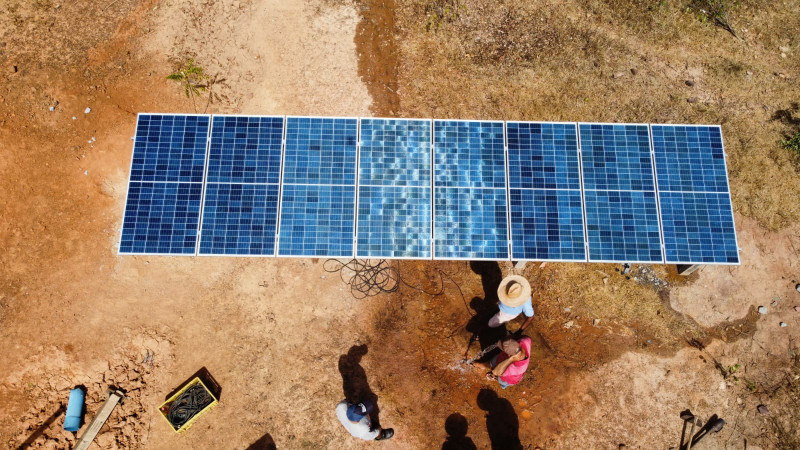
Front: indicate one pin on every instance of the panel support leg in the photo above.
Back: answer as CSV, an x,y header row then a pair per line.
x,y
687,269
519,264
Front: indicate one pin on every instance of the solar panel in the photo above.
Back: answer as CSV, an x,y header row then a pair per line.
x,y
619,193
616,157
320,150
239,219
543,156
547,225
317,220
544,191
698,228
317,211
245,149
417,188
394,222
170,148
470,202
240,204
622,226
470,224
161,218
394,193
162,207
469,154
696,210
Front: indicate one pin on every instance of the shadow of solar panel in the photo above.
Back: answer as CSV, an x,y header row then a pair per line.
x,y
161,218
317,220
245,149
170,148
698,228
320,150
622,226
469,154
395,152
543,155
394,222
616,157
470,224
689,158
239,219
547,225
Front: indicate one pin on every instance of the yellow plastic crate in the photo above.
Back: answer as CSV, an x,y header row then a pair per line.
x,y
164,408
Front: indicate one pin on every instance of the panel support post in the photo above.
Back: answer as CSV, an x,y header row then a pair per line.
x,y
99,420
687,269
519,264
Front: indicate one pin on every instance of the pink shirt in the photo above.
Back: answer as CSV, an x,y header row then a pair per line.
x,y
516,370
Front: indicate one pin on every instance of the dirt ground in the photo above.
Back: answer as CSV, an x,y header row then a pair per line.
x,y
616,357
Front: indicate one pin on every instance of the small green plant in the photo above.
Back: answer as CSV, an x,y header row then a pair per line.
x,y
443,11
792,143
714,11
192,78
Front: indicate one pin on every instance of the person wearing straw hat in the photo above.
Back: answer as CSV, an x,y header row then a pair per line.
x,y
515,298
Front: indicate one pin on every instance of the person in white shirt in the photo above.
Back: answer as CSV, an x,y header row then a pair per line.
x,y
355,419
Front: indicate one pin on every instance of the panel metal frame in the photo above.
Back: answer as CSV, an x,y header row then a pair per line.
x,y
583,194
727,193
128,186
358,186
206,183
434,186
580,189
280,190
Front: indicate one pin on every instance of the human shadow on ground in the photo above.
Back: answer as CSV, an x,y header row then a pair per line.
x,y
354,381
486,307
456,427
264,443
501,420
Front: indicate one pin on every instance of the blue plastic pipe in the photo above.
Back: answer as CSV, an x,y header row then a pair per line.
x,y
72,420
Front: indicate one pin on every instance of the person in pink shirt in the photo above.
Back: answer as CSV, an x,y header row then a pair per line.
x,y
509,366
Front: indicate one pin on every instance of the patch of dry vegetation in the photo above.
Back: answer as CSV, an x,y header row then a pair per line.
x,y
628,61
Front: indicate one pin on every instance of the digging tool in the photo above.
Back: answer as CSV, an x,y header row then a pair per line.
x,y
687,416
114,397
480,354
714,425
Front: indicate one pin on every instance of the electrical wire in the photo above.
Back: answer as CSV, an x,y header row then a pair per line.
x,y
371,277
188,404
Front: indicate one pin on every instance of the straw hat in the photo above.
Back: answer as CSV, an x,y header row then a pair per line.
x,y
514,291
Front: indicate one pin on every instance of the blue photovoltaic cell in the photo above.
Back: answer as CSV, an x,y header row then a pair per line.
x,y
245,149
547,225
469,154
239,219
543,155
317,220
698,228
170,148
395,152
320,150
689,158
616,157
622,226
394,222
470,223
161,218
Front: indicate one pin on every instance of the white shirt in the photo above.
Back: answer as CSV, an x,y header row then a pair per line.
x,y
360,429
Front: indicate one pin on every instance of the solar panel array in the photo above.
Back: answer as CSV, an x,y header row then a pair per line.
x,y
428,189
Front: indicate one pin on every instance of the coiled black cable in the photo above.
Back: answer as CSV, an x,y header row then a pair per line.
x,y
370,277
188,404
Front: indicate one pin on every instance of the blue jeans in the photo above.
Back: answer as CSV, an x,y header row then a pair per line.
x,y
493,363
